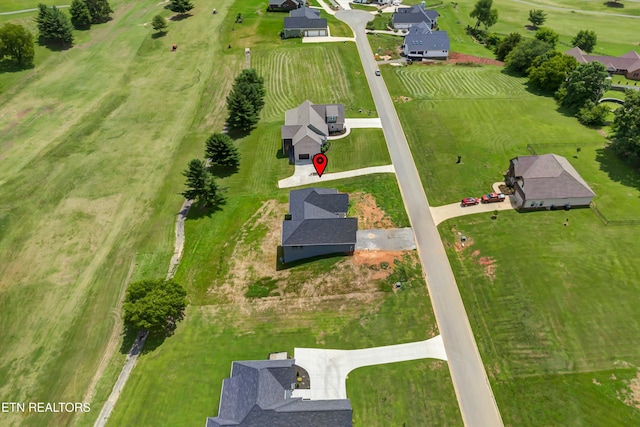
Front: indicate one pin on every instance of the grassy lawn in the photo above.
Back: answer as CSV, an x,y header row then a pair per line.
x,y
481,114
385,44
554,324
557,348
84,192
361,148
211,337
290,81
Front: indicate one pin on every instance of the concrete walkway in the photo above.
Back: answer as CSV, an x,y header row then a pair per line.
x,y
454,210
357,124
327,39
306,174
388,239
15,12
328,369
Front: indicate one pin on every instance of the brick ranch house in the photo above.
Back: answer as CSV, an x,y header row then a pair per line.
x,y
627,64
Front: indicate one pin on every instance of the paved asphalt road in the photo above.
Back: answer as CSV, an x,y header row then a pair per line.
x,y
476,400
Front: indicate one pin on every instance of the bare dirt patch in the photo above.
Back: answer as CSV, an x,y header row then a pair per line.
x,y
455,58
254,262
368,213
489,265
630,396
402,99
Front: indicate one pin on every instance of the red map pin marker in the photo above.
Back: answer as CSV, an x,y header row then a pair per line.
x,y
320,163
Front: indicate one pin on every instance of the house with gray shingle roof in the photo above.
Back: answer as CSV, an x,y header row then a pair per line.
x,y
317,224
547,181
627,64
422,42
258,394
304,22
284,5
307,127
407,17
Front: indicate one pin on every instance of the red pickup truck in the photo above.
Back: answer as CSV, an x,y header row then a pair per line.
x,y
493,198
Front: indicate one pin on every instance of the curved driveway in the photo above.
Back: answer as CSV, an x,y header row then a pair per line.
x,y
477,404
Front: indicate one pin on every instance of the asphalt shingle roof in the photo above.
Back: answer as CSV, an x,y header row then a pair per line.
x,y
258,395
549,177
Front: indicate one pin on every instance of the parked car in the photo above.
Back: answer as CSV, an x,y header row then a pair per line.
x,y
469,201
493,198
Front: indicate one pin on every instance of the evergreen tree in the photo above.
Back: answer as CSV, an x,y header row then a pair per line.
x,y
54,25
201,185
242,114
80,16
16,42
180,6
159,23
537,17
252,85
221,151
100,10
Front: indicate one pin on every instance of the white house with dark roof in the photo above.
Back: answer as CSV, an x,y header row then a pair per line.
x,y
627,64
307,127
258,394
547,181
317,224
421,42
406,17
304,22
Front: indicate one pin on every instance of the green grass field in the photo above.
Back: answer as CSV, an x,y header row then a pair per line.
x,y
551,306
361,148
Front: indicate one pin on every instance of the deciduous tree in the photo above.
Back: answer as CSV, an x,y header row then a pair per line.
x,y
548,36
484,13
523,55
549,71
593,114
80,16
159,24
506,45
155,305
585,40
221,151
537,17
588,82
626,124
16,43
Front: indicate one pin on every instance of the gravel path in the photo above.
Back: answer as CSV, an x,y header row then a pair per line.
x,y
132,357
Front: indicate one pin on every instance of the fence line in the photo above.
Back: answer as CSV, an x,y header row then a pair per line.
x,y
607,221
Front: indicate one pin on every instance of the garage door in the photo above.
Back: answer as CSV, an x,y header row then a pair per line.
x,y
313,33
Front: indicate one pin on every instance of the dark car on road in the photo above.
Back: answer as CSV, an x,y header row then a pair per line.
x,y
377,72
470,201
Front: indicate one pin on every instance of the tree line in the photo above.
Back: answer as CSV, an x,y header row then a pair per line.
x,y
244,103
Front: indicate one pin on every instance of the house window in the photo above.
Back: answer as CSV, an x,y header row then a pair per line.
x,y
533,204
303,157
541,203
332,119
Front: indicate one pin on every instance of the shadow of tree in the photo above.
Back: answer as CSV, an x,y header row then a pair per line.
x,y
613,4
223,171
198,211
7,66
53,45
180,17
618,169
158,34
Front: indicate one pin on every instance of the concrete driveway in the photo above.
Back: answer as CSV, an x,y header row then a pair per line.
x,y
328,369
442,213
363,123
390,239
475,397
306,174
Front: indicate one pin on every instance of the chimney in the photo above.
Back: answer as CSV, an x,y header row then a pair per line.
x,y
423,4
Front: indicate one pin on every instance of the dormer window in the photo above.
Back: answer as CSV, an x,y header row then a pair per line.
x,y
332,119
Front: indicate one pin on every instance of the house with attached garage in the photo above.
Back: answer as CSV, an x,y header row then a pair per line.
x,y
284,5
627,64
424,43
259,394
304,22
307,127
317,224
546,182
406,17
